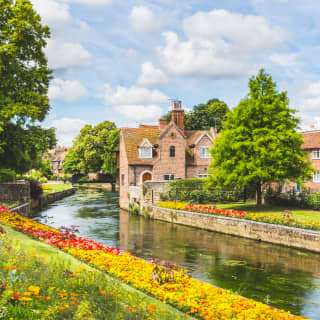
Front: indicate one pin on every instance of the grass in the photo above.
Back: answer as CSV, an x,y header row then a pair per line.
x,y
57,187
304,215
25,262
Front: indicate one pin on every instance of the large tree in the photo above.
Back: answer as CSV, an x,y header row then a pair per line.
x,y
93,150
259,142
24,83
204,116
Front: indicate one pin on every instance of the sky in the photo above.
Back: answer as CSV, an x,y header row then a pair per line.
x,y
123,60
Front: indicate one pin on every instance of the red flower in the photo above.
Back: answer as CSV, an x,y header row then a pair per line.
x,y
4,285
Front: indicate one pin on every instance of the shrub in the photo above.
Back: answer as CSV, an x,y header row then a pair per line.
x,y
43,180
7,175
84,179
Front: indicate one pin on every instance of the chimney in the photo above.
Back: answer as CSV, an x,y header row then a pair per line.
x,y
178,115
162,123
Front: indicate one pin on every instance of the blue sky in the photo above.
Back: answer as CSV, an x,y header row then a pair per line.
x,y
123,60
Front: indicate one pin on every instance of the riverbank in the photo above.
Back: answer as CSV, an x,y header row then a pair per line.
x,y
176,288
57,286
272,233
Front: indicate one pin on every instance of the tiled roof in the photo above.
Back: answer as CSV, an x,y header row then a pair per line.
x,y
133,137
311,140
57,154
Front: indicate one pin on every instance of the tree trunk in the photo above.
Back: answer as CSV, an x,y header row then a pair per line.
x,y
259,194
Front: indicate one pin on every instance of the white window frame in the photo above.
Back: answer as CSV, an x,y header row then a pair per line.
x,y
145,152
316,176
204,153
171,177
315,154
203,175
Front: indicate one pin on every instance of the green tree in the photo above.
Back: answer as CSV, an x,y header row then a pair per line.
x,y
259,142
93,150
204,116
24,82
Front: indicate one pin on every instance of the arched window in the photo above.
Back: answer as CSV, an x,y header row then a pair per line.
x,y
172,151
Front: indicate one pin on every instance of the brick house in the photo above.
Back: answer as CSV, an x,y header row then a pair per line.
x,y
162,152
57,157
312,147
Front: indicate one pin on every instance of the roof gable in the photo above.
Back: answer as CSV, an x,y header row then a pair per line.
x,y
170,125
205,134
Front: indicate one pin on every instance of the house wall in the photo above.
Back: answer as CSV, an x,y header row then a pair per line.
x,y
204,142
135,173
314,186
171,165
123,170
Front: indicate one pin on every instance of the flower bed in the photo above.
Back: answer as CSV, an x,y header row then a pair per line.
x,y
284,219
174,287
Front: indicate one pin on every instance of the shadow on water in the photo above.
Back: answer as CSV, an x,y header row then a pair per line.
x,y
285,278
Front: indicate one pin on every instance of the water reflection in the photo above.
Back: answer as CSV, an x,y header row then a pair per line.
x,y
286,278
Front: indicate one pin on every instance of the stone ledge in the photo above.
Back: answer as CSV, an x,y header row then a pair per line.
x,y
287,236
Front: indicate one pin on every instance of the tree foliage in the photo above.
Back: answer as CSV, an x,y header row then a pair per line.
x,y
259,142
204,116
24,85
93,150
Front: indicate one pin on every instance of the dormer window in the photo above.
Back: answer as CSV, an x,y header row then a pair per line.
x,y
316,154
145,150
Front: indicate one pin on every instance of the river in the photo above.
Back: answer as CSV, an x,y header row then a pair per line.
x,y
285,278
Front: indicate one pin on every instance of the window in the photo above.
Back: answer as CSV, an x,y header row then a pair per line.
x,y
204,153
172,151
168,177
316,154
122,179
316,177
145,152
202,176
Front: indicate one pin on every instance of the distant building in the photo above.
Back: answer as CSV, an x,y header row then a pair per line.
x,y
57,157
311,145
162,152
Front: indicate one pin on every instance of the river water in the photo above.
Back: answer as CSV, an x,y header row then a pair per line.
x,y
285,278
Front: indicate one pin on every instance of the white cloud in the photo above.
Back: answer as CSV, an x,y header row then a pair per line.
x,y
92,2
284,59
219,43
63,54
310,101
140,113
150,76
68,91
142,20
67,129
52,12
133,96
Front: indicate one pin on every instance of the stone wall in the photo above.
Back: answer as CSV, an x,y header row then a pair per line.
x,y
12,192
292,237
148,193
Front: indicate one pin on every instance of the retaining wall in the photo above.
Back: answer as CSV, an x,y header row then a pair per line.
x,y
291,237
52,197
12,192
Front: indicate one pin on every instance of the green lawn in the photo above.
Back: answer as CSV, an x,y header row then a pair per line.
x,y
57,187
304,215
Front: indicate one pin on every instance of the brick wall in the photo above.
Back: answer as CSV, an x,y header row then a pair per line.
x,y
123,172
171,165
